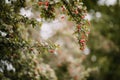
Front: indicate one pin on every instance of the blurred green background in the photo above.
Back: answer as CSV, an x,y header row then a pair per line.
x,y
104,40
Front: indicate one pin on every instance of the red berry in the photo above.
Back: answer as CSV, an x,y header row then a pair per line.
x,y
40,3
51,51
76,77
82,40
46,3
82,17
62,17
76,11
88,32
78,26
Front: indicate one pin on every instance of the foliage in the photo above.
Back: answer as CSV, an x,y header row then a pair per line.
x,y
22,54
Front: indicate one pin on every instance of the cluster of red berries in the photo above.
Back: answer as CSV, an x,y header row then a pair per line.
x,y
83,36
46,4
82,43
78,12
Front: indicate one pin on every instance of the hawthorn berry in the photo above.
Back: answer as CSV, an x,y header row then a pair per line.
x,y
82,40
62,17
76,12
46,3
83,17
40,3
52,51
78,26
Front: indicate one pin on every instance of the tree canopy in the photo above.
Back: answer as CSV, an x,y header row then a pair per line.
x,y
21,49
